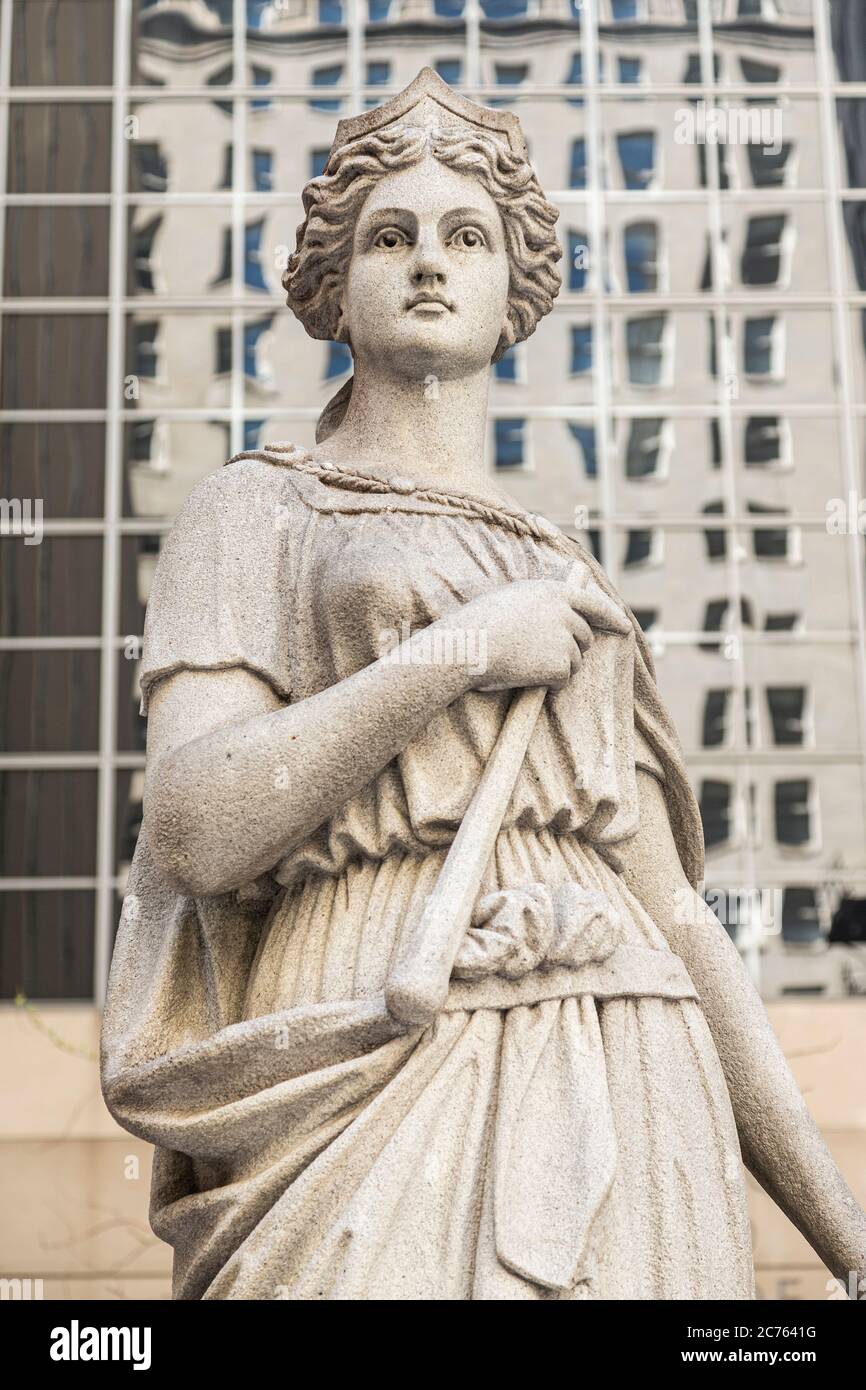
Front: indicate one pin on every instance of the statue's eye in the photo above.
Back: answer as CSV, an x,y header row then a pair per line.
x,y
468,239
390,239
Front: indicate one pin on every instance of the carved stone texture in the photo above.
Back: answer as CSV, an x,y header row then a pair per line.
x,y
413,990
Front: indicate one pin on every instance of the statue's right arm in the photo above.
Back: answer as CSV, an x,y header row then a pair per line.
x,y
236,778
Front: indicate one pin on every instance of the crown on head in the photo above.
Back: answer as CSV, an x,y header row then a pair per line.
x,y
429,102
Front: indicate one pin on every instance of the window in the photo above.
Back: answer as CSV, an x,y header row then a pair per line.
x,y
753,71
223,352
143,239
693,74
715,538
637,157
263,171
377,10
448,9
503,9
228,174
763,346
378,74
326,77
450,70
644,448
252,433
578,260
772,544
800,917
722,158
629,70
762,258
145,350
642,547
756,9
646,349
253,274
511,74
715,444
768,166
715,805
782,622
318,160
581,349
224,274
787,704
261,78
576,78
508,443
254,368
793,813
641,257
152,167
716,618
222,78
506,368
142,442
508,75
330,11
577,173
624,10
716,713
646,618
766,442
339,360
749,720
584,435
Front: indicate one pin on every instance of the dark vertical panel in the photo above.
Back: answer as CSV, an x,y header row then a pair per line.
x,y
46,944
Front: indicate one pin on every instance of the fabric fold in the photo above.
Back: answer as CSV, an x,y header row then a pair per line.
x,y
555,1148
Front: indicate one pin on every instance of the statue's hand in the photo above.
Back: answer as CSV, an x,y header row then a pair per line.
x,y
536,631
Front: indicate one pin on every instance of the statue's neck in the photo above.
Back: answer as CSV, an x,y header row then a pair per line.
x,y
424,428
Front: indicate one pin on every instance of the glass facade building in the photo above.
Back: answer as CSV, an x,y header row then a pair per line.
x,y
694,408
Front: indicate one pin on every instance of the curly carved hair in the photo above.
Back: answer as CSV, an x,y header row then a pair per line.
x,y
332,203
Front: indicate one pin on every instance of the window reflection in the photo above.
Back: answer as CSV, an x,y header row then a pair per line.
x,y
712,360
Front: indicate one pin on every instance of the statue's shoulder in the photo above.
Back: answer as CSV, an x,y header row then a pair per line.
x,y
245,487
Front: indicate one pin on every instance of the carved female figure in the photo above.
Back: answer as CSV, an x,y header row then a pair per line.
x,y
333,641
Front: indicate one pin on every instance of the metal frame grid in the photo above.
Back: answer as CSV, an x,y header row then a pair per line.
x,y
112,526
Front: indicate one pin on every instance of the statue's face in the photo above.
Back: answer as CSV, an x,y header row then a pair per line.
x,y
427,287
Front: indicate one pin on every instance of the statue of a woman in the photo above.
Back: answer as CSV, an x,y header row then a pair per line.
x,y
333,641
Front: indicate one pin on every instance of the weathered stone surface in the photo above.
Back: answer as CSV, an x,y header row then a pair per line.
x,y
333,643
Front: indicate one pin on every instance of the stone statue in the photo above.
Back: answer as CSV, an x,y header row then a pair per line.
x,y
413,990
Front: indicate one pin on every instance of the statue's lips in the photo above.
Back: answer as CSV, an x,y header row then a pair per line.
x,y
429,304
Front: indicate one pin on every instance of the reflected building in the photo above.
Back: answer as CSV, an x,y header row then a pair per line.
x,y
693,409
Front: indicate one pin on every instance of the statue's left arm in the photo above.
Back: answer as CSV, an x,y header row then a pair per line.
x,y
781,1145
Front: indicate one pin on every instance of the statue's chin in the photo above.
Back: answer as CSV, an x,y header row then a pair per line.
x,y
430,352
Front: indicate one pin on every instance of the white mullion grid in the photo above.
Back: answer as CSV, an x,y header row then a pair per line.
x,y
5,71
601,343
551,91
472,16
355,39
727,361
841,327
105,865
238,226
